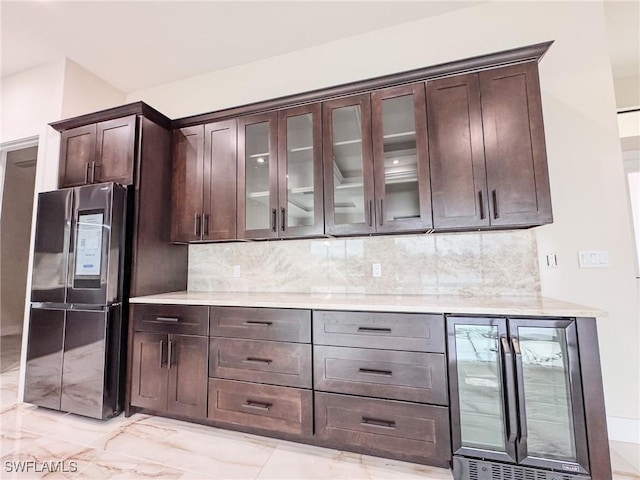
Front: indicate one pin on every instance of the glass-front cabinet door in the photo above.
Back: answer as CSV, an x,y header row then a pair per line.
x,y
300,205
257,176
401,161
551,408
483,421
348,166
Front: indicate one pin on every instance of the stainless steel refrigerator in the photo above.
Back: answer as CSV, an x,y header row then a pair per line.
x,y
75,349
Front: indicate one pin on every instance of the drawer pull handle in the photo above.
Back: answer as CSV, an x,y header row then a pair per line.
x,y
374,330
256,323
167,319
376,422
258,360
374,371
257,405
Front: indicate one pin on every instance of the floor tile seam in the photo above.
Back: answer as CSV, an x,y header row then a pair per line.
x,y
267,461
635,471
137,459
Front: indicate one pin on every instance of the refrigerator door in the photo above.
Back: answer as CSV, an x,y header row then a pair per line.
x,y
43,375
96,245
551,408
482,387
53,228
84,362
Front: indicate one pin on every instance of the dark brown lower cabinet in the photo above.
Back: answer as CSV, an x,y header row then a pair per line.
x,y
388,428
267,407
169,373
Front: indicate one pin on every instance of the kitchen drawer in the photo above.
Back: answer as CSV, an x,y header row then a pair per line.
x,y
412,376
182,319
389,331
400,430
280,409
278,363
280,324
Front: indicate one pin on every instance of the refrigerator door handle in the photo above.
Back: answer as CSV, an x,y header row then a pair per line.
x,y
522,409
510,394
161,353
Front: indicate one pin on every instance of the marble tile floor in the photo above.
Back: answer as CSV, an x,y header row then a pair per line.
x,y
142,446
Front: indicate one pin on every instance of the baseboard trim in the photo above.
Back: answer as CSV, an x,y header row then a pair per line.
x,y
623,429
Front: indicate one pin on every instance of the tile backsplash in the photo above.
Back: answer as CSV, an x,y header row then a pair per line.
x,y
478,263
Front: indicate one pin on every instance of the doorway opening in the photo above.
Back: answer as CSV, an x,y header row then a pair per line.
x,y
17,183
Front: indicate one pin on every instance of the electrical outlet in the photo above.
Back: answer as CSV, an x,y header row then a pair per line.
x,y
552,260
236,270
377,270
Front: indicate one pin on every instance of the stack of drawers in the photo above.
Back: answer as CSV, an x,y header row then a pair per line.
x,y
380,384
260,369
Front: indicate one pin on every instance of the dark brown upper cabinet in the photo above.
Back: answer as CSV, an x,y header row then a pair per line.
x,y
456,153
280,174
376,162
401,159
204,183
99,152
514,145
348,166
487,150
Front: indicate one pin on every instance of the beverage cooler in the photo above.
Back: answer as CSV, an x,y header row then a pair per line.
x,y
75,349
517,409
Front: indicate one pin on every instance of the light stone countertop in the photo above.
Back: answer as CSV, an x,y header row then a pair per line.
x,y
503,305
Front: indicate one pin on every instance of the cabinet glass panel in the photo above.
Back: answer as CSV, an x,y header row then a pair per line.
x,y
482,421
547,393
257,161
402,199
348,177
300,192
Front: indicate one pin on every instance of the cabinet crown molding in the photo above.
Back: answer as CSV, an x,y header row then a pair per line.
x,y
527,53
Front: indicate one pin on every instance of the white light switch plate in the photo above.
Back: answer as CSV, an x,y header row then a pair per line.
x,y
593,258
236,270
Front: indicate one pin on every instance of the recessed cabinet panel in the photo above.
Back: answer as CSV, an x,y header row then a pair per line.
x,y
300,171
187,381
401,161
148,371
257,214
219,200
517,175
77,151
456,152
348,166
188,178
115,146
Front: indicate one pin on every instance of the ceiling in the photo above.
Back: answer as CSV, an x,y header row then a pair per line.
x,y
139,44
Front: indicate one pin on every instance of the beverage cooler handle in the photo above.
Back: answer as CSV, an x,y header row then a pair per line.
x,y
522,441
510,383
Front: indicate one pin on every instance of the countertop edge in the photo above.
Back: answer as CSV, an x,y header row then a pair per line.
x,y
538,306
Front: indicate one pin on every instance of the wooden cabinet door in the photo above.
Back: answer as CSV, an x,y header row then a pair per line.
x,y
149,370
456,152
219,204
187,364
300,195
187,184
517,176
401,159
77,153
115,147
348,166
258,176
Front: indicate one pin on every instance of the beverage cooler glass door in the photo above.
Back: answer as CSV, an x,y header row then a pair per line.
x,y
483,414
551,409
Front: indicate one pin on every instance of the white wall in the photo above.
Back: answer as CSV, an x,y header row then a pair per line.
x,y
587,181
627,91
32,99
